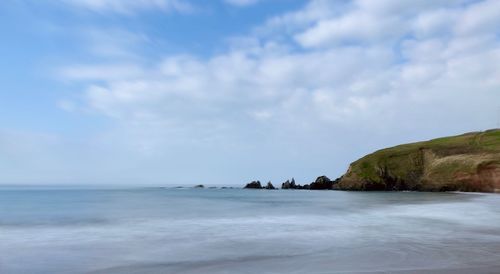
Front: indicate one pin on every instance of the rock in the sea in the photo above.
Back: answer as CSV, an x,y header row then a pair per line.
x,y
199,186
322,182
254,184
289,184
270,185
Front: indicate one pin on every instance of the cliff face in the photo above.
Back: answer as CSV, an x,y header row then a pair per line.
x,y
468,162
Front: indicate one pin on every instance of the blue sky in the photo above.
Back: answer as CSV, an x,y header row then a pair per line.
x,y
152,92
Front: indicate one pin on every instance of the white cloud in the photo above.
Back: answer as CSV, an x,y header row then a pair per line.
x,y
366,21
404,8
355,27
130,7
101,72
435,22
351,79
362,75
481,17
290,22
241,3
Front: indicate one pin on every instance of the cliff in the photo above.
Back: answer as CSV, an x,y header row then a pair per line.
x,y
468,162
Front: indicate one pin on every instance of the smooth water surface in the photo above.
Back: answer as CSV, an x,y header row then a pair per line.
x,y
159,230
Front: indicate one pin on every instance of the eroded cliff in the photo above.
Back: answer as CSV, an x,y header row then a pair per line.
x,y
468,162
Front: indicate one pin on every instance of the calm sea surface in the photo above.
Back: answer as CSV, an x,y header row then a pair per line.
x,y
247,231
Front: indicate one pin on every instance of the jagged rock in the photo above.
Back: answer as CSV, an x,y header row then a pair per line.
x,y
254,184
270,185
322,182
290,184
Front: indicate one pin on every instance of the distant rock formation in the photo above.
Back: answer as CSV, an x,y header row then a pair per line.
x,y
269,185
199,186
289,184
321,183
254,185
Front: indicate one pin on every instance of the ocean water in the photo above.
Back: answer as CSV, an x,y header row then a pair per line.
x,y
154,230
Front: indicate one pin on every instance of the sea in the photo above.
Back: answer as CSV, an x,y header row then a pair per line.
x,y
192,230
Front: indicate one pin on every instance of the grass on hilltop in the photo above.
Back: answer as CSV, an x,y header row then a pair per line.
x,y
439,159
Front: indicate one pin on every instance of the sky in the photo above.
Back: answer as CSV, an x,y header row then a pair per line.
x,y
222,92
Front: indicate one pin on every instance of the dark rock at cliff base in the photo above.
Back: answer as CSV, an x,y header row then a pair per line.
x,y
323,182
269,185
254,185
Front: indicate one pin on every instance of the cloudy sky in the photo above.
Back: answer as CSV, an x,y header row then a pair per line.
x,y
225,91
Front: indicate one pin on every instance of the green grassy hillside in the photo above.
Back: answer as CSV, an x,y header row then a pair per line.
x,y
468,162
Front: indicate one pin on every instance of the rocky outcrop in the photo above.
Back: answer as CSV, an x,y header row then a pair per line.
x,y
289,184
199,186
323,182
468,162
269,185
306,186
254,185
